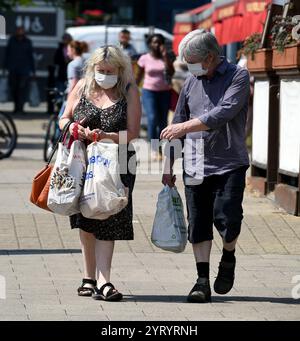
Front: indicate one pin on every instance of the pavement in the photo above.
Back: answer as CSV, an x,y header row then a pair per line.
x,y
41,262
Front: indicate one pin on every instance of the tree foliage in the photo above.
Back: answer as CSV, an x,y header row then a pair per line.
x,y
7,5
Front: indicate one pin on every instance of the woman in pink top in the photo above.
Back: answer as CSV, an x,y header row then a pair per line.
x,y
157,70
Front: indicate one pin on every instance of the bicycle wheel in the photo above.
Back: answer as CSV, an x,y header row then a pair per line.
x,y
8,135
52,135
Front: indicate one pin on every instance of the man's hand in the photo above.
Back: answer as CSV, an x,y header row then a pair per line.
x,y
173,131
169,179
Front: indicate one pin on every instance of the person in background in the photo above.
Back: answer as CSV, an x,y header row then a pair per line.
x,y
61,60
75,50
157,69
19,62
124,42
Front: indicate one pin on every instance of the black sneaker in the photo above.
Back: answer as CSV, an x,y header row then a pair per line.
x,y
225,278
201,292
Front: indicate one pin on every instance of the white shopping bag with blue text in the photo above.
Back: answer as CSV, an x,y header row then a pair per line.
x,y
169,230
104,194
67,179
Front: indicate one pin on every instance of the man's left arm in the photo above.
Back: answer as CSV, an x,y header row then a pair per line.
x,y
232,103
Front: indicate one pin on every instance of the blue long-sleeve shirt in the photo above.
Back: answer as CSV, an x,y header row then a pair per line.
x,y
221,103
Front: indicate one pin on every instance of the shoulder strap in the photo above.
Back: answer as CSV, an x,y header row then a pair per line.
x,y
61,138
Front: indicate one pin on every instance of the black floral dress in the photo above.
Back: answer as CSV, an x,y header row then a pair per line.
x,y
111,119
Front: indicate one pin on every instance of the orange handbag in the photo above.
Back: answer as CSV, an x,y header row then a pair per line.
x,y
41,182
40,187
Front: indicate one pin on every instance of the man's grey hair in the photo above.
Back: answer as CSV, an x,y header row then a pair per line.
x,y
198,43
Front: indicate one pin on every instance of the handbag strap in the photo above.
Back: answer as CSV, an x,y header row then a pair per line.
x,y
60,139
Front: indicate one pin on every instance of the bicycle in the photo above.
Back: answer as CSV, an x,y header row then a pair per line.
x,y
52,128
8,135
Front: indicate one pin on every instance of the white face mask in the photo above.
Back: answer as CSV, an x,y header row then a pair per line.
x,y
106,81
197,69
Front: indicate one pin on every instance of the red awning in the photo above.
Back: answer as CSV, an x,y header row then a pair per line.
x,y
255,13
235,20
232,20
185,23
204,19
199,9
228,22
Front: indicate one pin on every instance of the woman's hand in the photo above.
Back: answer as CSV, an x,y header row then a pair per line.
x,y
163,51
173,131
76,128
95,134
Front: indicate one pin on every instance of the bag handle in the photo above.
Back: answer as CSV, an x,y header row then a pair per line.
x,y
73,137
60,139
95,137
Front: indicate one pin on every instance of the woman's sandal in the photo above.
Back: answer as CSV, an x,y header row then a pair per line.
x,y
86,291
112,294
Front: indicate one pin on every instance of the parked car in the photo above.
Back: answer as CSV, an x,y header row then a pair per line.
x,y
100,35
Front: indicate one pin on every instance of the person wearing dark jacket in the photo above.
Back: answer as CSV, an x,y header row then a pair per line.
x,y
61,61
19,62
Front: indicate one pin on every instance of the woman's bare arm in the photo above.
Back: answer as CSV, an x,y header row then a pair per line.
x,y
72,100
67,116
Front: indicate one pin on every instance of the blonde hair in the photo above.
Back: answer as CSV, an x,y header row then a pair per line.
x,y
114,56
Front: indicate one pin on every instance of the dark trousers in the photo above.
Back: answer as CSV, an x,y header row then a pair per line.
x,y
19,85
217,201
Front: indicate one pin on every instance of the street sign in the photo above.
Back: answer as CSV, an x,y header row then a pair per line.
x,y
41,22
44,24
35,23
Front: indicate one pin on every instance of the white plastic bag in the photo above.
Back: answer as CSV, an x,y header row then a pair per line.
x,y
34,94
104,194
67,179
169,230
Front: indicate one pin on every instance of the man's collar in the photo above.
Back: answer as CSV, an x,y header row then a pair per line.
x,y
222,67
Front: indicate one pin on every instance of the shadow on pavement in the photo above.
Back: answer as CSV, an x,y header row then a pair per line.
x,y
31,136
25,145
155,298
37,252
228,299
29,116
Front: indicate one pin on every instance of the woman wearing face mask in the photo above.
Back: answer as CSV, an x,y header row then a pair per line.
x,y
157,70
75,50
107,100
